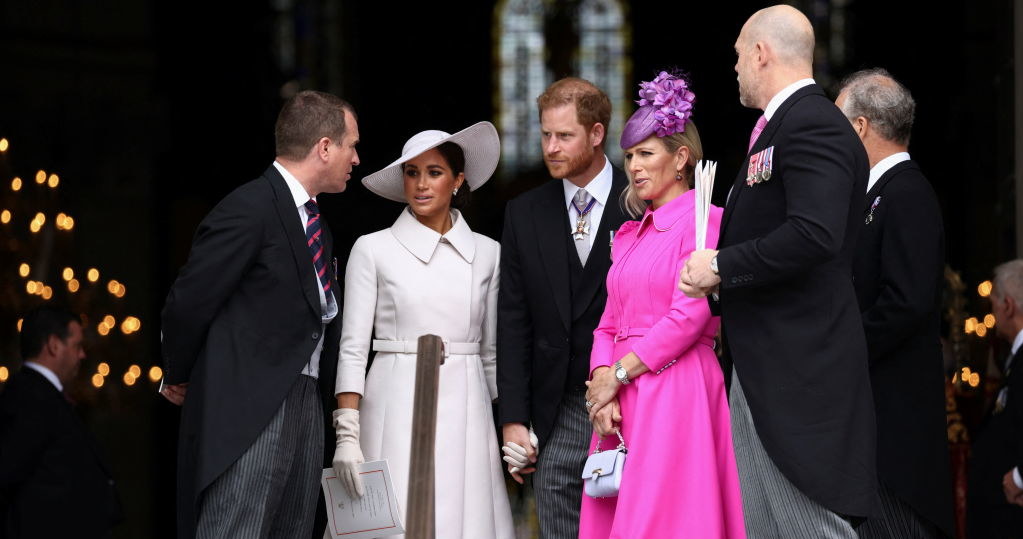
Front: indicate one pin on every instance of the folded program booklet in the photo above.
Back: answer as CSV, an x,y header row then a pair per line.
x,y
375,514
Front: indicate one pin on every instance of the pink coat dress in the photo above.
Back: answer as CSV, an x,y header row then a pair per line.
x,y
680,478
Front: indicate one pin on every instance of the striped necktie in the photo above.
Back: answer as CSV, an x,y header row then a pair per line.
x,y
313,239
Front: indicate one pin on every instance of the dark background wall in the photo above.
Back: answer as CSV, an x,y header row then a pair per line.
x,y
152,111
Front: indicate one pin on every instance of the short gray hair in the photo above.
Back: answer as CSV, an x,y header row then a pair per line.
x,y
878,97
1009,280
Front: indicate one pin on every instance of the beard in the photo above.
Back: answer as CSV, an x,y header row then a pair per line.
x,y
572,165
746,97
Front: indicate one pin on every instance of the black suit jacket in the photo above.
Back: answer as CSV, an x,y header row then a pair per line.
x,y
50,465
541,324
789,317
240,322
898,272
999,444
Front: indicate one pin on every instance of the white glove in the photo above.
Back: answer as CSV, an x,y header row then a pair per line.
x,y
518,456
347,452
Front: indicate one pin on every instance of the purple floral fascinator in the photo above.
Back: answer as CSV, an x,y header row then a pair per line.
x,y
665,106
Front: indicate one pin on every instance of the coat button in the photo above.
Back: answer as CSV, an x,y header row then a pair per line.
x,y
315,335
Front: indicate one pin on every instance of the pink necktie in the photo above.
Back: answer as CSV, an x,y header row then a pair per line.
x,y
757,129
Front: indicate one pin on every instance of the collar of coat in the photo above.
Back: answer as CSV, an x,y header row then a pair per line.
x,y
421,240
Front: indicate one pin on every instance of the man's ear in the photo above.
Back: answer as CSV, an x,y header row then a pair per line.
x,y
597,134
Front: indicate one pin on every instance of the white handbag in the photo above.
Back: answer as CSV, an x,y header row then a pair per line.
x,y
602,473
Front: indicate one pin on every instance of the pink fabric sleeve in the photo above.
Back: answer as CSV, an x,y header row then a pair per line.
x,y
602,353
685,321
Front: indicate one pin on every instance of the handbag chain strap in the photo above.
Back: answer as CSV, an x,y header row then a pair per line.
x,y
621,442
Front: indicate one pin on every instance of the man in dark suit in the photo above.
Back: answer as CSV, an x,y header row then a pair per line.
x,y
50,468
802,412
555,254
997,451
245,326
899,277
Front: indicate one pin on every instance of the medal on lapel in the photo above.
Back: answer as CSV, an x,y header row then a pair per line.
x,y
582,228
760,166
870,216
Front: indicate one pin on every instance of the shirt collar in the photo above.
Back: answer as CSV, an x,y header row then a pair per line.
x,y
1016,343
885,165
47,373
421,240
599,187
785,93
667,215
297,191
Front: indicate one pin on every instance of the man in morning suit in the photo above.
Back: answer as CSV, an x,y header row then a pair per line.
x,y
802,412
248,327
997,451
555,254
899,277
53,480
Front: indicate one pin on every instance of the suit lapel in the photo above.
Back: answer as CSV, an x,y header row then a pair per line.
x,y
763,142
881,182
287,213
550,221
595,272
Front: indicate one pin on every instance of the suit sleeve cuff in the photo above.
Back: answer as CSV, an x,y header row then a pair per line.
x,y
1016,478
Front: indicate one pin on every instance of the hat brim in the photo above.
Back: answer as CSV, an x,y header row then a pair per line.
x,y
480,144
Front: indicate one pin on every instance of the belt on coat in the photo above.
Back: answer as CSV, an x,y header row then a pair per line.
x,y
412,347
628,332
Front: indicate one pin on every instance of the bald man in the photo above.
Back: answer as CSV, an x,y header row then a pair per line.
x,y
802,412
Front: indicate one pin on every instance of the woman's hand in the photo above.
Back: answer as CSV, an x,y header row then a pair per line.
x,y
607,419
601,389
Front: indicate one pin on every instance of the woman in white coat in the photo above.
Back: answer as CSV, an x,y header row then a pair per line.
x,y
428,273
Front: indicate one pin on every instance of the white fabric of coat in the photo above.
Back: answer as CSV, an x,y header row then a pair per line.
x,y
408,281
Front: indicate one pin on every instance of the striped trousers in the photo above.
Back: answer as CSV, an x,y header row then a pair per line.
x,y
272,489
773,507
897,521
558,482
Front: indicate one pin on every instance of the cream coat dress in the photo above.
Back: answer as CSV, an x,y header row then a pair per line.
x,y
407,281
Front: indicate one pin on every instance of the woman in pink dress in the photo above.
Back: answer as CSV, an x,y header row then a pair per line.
x,y
654,372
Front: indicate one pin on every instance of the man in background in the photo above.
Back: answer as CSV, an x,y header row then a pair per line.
x,y
53,480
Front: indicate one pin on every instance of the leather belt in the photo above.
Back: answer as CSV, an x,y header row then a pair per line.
x,y
412,347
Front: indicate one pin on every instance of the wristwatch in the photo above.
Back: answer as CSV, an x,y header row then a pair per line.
x,y
714,264
620,373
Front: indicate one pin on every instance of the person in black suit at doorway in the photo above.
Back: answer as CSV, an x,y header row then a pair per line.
x,y
899,277
555,254
997,451
802,412
251,333
51,469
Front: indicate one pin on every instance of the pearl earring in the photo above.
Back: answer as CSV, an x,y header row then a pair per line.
x,y
455,192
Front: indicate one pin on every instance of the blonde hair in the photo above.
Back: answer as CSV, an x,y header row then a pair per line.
x,y
690,138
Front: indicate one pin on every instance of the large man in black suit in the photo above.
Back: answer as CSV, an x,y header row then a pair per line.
x,y
997,451
555,254
53,480
802,412
898,271
245,326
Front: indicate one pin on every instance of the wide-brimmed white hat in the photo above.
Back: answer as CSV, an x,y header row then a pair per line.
x,y
479,143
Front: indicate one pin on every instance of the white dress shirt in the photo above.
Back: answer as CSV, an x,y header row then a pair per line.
x,y
885,165
47,373
328,308
599,188
785,93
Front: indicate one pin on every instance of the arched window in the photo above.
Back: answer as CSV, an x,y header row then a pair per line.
x,y
601,56
522,76
603,60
